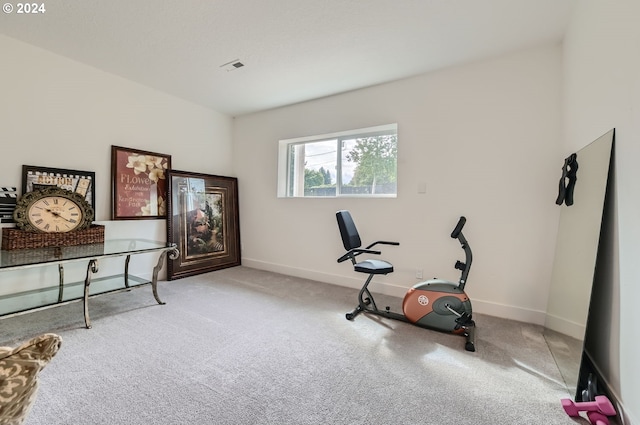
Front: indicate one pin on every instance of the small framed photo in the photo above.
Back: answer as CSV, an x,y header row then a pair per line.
x,y
203,222
138,184
82,182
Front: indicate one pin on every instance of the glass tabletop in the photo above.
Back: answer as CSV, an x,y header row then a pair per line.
x,y
30,257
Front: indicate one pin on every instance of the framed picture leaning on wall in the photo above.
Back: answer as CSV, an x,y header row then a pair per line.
x,y
82,182
138,184
203,222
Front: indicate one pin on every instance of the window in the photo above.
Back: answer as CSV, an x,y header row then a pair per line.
x,y
351,163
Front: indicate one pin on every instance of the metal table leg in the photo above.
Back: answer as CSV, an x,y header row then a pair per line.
x,y
173,254
126,271
60,282
92,267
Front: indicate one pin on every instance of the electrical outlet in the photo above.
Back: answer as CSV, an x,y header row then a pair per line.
x,y
418,273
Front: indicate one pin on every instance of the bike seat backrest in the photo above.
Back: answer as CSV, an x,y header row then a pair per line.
x,y
348,231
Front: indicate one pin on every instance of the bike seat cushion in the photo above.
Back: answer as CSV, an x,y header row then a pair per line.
x,y
373,267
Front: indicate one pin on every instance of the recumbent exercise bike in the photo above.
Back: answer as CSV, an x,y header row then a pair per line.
x,y
434,304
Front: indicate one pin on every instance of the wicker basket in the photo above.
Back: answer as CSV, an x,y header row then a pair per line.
x,y
13,238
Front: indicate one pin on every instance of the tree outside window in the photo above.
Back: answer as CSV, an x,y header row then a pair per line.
x,y
354,163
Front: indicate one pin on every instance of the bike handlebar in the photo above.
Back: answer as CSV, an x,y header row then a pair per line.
x,y
382,243
458,228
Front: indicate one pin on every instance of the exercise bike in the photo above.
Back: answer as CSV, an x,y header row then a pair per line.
x,y
434,304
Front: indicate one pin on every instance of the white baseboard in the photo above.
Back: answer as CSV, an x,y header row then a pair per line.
x,y
479,306
564,326
622,416
504,311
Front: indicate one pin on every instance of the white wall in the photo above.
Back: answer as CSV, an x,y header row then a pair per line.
x,y
602,91
485,138
55,112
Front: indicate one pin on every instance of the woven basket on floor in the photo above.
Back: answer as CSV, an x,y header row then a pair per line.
x,y
13,238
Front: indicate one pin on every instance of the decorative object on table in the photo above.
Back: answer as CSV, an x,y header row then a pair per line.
x,y
138,184
203,222
52,210
8,198
19,239
51,217
82,182
19,368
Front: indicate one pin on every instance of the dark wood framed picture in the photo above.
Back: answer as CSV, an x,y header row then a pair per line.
x,y
138,184
203,222
82,182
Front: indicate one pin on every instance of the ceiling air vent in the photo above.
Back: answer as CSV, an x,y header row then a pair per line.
x,y
232,66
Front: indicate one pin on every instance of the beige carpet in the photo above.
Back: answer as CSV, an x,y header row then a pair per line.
x,y
243,346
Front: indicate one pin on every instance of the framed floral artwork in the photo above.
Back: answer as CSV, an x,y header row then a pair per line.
x,y
203,222
138,184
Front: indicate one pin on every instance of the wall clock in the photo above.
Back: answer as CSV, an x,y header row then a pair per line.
x,y
52,210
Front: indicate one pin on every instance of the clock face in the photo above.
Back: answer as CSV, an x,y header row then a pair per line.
x,y
52,210
55,214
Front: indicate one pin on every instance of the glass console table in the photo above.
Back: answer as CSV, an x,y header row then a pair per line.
x,y
54,295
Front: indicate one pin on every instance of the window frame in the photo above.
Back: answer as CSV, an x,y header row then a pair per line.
x,y
285,145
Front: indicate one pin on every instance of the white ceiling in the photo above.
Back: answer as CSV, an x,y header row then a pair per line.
x,y
293,50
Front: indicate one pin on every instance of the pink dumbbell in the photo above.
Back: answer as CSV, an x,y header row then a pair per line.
x,y
601,405
597,418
